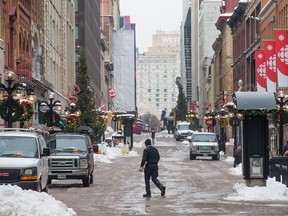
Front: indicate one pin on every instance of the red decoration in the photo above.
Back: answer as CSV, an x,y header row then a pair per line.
x,y
73,118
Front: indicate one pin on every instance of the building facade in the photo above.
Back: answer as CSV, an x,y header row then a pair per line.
x,y
124,58
157,70
88,42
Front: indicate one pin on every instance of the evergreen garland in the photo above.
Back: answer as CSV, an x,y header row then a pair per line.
x,y
128,120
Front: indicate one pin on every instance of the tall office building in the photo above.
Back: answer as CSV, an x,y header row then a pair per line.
x,y
156,73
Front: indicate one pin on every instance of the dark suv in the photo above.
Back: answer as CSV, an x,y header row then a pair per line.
x,y
71,157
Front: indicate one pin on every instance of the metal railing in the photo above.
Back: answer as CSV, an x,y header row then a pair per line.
x,y
279,169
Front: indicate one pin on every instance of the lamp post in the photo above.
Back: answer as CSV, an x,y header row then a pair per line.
x,y
234,121
49,107
281,102
72,113
222,117
191,117
210,119
13,92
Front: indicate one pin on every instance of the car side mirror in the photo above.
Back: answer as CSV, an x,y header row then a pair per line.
x,y
46,152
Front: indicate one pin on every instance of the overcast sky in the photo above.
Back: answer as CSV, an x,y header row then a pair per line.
x,y
152,15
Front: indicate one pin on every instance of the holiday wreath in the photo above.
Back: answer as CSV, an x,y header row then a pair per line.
x,y
17,110
55,119
27,111
223,122
72,122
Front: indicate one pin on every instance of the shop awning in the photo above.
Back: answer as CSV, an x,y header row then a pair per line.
x,y
255,100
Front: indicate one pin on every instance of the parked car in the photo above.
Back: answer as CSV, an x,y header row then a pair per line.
x,y
71,157
24,158
204,144
181,130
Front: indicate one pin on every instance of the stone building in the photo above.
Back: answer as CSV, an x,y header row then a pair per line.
x,y
157,71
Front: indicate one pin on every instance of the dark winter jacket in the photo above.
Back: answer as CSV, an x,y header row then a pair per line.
x,y
150,156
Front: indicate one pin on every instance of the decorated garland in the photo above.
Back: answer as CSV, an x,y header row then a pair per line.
x,y
223,122
17,110
128,120
27,111
276,117
72,122
46,119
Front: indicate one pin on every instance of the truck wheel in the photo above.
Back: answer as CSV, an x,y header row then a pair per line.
x,y
45,189
49,181
192,157
86,181
216,157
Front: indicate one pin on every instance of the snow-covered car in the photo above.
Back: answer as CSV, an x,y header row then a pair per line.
x,y
24,158
181,130
204,144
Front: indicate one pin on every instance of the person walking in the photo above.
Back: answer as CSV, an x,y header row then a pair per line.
x,y
153,135
150,159
238,155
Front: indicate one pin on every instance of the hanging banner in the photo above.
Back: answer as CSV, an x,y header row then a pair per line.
x,y
281,50
260,70
270,59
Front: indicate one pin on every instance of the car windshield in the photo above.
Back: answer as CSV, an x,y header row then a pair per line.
x,y
204,138
18,147
68,143
183,127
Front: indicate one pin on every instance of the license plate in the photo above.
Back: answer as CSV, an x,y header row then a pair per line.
x,y
61,176
205,155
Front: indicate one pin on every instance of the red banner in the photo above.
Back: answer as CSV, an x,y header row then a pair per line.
x,y
260,70
281,50
270,59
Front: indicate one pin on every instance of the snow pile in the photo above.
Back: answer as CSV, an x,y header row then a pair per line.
x,y
112,153
15,201
274,190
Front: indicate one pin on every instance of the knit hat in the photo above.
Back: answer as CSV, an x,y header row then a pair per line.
x,y
148,142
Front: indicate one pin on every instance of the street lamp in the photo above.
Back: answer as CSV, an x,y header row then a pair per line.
x,y
210,119
281,104
72,114
49,107
234,121
10,96
191,117
222,118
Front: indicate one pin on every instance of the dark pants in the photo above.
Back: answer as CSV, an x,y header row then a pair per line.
x,y
151,170
237,160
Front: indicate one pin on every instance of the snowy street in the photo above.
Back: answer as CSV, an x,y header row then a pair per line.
x,y
201,186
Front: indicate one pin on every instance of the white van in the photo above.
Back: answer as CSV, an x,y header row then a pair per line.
x,y
204,144
23,158
182,130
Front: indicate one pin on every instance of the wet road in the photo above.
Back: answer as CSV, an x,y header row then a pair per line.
x,y
195,187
